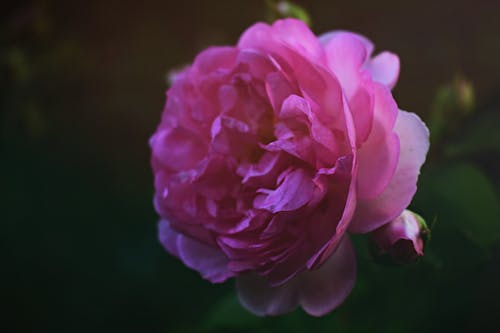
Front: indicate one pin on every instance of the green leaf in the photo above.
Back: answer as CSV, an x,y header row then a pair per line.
x,y
480,136
284,9
228,313
452,104
462,197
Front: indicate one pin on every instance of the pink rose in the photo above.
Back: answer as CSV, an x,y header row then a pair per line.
x,y
270,152
400,241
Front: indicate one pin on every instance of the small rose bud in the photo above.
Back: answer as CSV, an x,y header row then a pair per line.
x,y
400,241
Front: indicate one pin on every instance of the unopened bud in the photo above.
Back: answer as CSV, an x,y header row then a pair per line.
x,y
400,241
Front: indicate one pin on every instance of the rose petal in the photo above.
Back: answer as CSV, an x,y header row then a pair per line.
x,y
177,148
209,261
324,289
414,144
327,37
384,68
294,192
215,58
346,53
168,237
291,32
258,297
318,292
378,156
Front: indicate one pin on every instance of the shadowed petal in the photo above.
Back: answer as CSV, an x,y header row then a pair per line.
x,y
324,289
318,291
258,297
209,261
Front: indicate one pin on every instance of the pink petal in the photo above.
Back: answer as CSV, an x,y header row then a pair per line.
x,y
258,297
168,237
278,89
330,246
209,261
177,148
298,35
385,68
215,58
378,156
324,289
264,173
361,106
291,32
294,192
414,144
318,292
327,37
346,53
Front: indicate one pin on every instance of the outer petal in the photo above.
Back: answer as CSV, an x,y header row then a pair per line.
x,y
384,68
318,291
209,261
327,37
346,53
324,289
291,32
258,297
414,144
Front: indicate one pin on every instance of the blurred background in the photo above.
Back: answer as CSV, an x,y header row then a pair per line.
x,y
82,88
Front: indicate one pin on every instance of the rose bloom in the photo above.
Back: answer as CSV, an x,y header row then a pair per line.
x,y
269,153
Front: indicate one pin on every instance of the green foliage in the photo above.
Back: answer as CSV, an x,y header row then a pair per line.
x,y
229,314
283,9
452,103
481,136
460,196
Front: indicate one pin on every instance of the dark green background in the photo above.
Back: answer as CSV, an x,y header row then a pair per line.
x,y
81,89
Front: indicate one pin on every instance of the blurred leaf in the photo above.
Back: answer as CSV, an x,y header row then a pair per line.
x,y
228,313
18,63
284,9
463,197
451,104
480,136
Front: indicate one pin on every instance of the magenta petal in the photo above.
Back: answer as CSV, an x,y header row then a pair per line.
x,y
324,289
291,32
377,163
209,261
215,58
318,291
346,53
385,68
298,35
327,37
378,156
295,191
414,144
168,237
361,105
321,256
177,148
258,297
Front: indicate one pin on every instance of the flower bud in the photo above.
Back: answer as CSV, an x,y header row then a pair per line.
x,y
400,241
